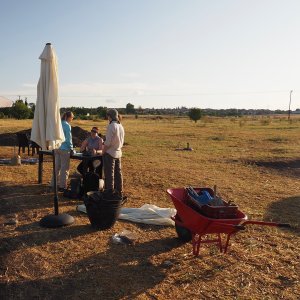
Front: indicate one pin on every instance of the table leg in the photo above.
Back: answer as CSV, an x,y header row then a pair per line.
x,y
101,168
85,163
40,170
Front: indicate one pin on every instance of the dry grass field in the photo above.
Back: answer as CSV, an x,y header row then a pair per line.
x,y
254,161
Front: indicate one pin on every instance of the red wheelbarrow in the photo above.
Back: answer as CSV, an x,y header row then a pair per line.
x,y
192,225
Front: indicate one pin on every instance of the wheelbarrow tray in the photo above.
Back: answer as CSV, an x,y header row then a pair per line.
x,y
192,225
198,225
196,222
226,211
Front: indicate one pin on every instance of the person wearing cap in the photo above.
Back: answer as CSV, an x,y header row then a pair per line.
x,y
112,152
93,145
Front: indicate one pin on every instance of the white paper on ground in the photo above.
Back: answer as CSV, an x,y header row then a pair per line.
x,y
81,208
147,214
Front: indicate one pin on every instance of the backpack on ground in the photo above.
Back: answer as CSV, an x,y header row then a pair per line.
x,y
75,190
90,182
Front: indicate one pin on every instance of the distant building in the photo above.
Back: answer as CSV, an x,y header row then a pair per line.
x,y
4,102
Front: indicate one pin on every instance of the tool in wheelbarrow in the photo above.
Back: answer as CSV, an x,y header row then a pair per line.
x,y
198,223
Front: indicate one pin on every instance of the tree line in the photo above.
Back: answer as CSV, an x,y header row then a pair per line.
x,y
21,109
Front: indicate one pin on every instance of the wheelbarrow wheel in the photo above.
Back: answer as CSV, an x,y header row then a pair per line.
x,y
183,233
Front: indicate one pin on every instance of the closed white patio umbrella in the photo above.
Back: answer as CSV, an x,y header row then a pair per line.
x,y
46,127
47,130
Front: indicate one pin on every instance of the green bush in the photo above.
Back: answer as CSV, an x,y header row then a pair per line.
x,y
195,114
20,110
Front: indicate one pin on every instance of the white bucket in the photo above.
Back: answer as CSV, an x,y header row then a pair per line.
x,y
15,160
101,184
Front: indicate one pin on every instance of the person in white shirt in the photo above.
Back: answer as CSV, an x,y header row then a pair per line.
x,y
112,153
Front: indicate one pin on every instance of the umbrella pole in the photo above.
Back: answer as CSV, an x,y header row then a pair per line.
x,y
56,220
55,185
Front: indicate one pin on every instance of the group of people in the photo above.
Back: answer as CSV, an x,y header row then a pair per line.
x,y
111,150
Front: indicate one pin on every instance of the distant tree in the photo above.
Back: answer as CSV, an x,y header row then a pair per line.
x,y
121,111
130,108
32,106
19,101
20,111
101,112
140,110
195,114
6,111
84,117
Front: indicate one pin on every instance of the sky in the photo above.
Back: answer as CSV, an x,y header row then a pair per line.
x,y
155,53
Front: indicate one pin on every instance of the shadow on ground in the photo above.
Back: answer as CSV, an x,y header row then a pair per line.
x,y
17,199
121,271
290,168
41,236
287,210
117,272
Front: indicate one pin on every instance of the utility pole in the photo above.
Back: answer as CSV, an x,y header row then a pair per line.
x,y
290,104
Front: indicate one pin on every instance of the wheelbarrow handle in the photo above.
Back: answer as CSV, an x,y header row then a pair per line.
x,y
240,227
286,225
228,226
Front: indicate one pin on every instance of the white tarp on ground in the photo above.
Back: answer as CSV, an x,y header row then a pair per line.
x,y
46,126
147,214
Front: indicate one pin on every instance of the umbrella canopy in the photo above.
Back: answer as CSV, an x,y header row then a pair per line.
x,y
46,127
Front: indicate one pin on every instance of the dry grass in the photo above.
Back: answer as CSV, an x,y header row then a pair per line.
x,y
254,163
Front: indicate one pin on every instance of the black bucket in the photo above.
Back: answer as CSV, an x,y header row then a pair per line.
x,y
102,211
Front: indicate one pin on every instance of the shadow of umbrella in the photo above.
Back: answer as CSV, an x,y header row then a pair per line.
x,y
121,272
47,130
286,210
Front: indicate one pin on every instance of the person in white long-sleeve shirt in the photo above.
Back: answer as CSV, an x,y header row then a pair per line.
x,y
112,153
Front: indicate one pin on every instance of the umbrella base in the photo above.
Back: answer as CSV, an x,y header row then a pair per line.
x,y
53,221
